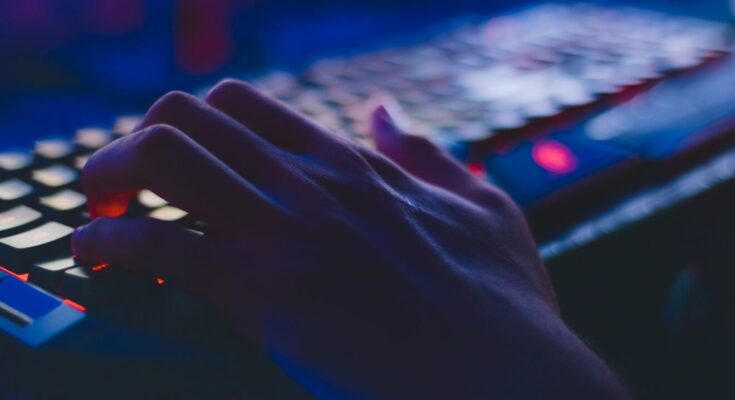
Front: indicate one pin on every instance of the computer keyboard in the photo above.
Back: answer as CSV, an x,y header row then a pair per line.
x,y
507,96
570,109
517,97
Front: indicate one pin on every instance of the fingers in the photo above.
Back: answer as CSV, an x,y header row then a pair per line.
x,y
230,141
166,161
266,116
419,156
158,248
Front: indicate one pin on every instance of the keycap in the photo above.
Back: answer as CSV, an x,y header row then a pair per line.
x,y
65,200
75,283
13,192
17,217
56,176
534,170
18,252
65,206
48,274
81,161
148,199
39,315
169,213
92,138
15,163
54,150
124,125
22,303
13,315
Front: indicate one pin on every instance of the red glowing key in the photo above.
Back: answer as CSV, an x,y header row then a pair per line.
x,y
554,157
160,281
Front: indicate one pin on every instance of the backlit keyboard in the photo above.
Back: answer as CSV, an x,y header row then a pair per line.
x,y
564,107
522,98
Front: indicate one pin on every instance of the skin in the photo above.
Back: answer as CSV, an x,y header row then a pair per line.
x,y
363,274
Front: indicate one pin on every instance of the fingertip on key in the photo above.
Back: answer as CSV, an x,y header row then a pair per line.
x,y
112,208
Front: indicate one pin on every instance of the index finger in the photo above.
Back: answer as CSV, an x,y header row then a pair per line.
x,y
166,161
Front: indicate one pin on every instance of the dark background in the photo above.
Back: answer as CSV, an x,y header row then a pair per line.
x,y
69,63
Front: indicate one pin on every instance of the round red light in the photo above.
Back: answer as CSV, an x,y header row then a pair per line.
x,y
554,157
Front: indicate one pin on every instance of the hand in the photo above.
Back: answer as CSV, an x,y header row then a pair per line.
x,y
363,275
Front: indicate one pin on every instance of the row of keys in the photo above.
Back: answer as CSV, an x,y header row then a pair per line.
x,y
487,81
41,202
508,95
53,152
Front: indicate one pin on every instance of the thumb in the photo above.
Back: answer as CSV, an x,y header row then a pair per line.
x,y
418,155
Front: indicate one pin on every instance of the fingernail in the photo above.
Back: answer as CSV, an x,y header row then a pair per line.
x,y
384,121
382,112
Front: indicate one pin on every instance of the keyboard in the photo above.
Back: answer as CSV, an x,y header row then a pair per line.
x,y
521,99
573,110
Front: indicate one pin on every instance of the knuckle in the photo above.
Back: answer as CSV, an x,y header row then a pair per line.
x,y
170,106
224,89
158,136
155,142
174,100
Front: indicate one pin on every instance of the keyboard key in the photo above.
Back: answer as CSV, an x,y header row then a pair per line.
x,y
24,300
55,176
81,161
77,284
169,213
148,199
54,150
15,163
48,274
18,252
17,217
11,314
534,171
125,125
92,138
65,200
65,206
13,192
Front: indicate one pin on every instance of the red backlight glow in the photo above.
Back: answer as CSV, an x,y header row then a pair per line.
x,y
23,277
100,267
476,169
75,305
554,157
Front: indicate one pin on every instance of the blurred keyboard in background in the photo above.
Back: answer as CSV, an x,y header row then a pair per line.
x,y
513,96
568,108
